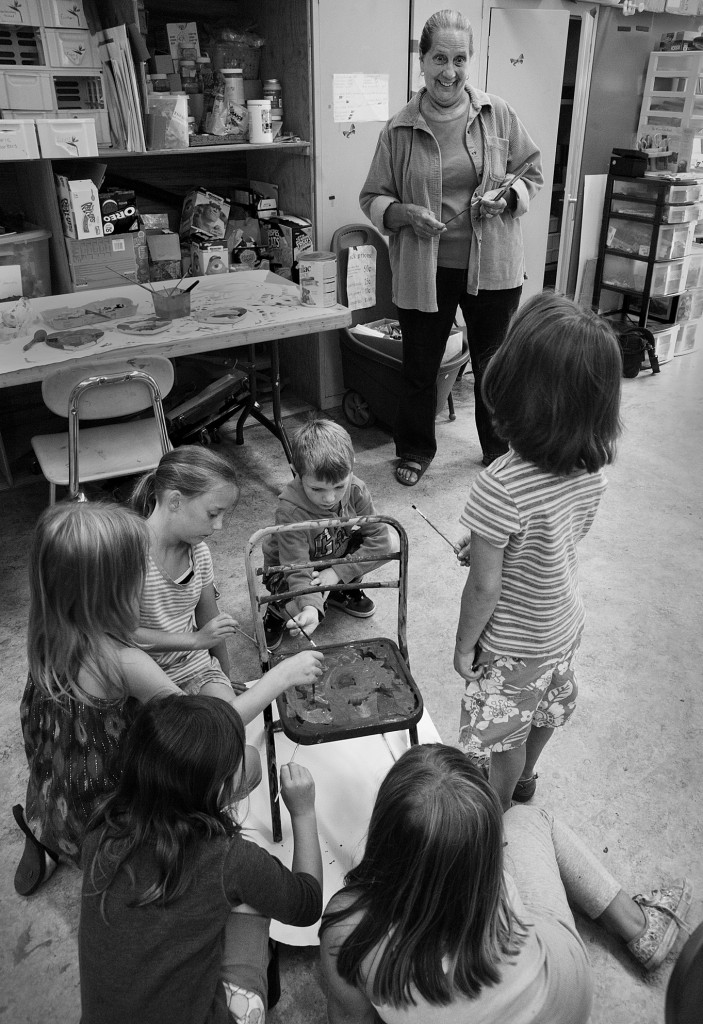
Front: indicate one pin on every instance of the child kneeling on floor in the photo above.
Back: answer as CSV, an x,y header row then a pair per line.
x,y
325,487
176,902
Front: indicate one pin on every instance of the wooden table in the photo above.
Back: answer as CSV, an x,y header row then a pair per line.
x,y
273,312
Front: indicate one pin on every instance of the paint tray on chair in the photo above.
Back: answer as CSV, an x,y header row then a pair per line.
x,y
366,688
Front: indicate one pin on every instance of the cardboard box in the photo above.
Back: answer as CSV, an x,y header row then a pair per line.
x,y
209,256
204,215
163,246
286,238
90,260
160,64
18,140
79,203
182,35
118,208
68,136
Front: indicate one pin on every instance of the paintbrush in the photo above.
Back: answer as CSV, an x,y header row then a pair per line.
x,y
172,291
278,794
436,530
312,642
191,287
130,281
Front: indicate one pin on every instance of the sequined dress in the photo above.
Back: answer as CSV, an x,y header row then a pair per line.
x,y
72,749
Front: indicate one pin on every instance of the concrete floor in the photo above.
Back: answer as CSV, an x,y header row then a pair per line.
x,y
628,772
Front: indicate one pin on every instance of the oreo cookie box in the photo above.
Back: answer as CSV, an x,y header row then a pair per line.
x,y
286,238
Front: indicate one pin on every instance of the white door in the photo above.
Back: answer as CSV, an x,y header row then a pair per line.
x,y
525,66
363,38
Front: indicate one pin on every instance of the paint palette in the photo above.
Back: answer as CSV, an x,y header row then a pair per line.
x,y
366,688
68,317
224,317
145,327
71,340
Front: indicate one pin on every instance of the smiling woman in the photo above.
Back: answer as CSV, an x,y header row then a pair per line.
x,y
433,188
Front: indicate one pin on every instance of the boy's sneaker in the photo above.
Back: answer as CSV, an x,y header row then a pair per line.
x,y
665,910
274,628
352,602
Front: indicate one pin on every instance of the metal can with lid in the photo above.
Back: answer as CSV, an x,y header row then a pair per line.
x,y
317,273
273,91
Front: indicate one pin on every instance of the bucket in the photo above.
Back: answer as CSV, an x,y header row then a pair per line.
x,y
318,278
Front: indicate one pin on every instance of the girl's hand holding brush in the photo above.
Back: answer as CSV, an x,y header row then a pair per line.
x,y
463,549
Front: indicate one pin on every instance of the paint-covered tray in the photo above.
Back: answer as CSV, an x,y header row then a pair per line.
x,y
366,688
92,313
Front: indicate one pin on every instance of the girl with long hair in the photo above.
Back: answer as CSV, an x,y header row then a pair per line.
x,y
553,390
176,901
88,563
458,913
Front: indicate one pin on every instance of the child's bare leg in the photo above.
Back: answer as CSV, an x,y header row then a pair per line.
x,y
537,739
623,917
506,769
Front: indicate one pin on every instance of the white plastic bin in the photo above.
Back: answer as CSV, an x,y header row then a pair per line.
x,y
667,278
644,188
694,277
664,342
29,250
670,214
687,339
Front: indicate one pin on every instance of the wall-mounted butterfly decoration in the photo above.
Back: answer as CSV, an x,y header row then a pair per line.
x,y
517,60
351,131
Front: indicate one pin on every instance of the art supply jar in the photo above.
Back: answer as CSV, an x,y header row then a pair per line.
x,y
272,91
229,112
259,121
160,83
317,273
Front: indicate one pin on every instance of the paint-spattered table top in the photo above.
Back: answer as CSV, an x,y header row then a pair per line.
x,y
272,310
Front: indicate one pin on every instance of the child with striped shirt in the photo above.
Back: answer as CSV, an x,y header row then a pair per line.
x,y
553,389
184,501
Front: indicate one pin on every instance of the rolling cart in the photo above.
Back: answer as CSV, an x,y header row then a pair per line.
x,y
366,687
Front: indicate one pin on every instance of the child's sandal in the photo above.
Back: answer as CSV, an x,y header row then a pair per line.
x,y
525,789
665,911
33,868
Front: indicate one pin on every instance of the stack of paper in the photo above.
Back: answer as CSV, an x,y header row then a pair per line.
x,y
121,90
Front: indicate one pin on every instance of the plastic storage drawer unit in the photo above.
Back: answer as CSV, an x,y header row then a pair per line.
x,y
669,214
664,342
688,337
629,275
629,236
30,251
642,188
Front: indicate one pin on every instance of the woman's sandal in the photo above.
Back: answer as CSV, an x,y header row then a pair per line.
x,y
418,470
32,869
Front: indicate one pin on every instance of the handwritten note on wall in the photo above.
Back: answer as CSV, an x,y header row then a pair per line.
x,y
360,97
361,277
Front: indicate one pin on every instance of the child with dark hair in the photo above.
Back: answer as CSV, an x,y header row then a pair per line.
x,y
176,902
325,488
553,389
458,913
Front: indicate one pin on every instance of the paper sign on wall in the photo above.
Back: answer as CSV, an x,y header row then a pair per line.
x,y
360,97
361,277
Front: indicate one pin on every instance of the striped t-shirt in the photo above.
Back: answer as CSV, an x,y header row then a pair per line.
x,y
170,606
538,518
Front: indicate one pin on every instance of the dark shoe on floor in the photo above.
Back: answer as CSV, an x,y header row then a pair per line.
x,y
352,602
32,868
525,789
273,976
274,628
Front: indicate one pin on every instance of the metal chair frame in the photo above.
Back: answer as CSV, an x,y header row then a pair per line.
x,y
260,601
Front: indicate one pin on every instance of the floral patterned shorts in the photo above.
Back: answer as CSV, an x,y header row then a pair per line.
x,y
509,695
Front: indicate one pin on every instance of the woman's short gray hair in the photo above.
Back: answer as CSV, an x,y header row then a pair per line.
x,y
447,19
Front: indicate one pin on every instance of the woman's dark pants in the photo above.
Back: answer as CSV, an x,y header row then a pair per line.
x,y
425,335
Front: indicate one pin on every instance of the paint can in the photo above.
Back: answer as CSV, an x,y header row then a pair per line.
x,y
318,278
259,121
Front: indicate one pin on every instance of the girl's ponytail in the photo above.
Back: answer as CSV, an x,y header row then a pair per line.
x,y
143,496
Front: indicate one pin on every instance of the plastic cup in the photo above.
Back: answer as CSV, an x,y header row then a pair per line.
x,y
170,305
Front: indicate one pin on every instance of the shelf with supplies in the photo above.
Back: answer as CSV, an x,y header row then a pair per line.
x,y
644,256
